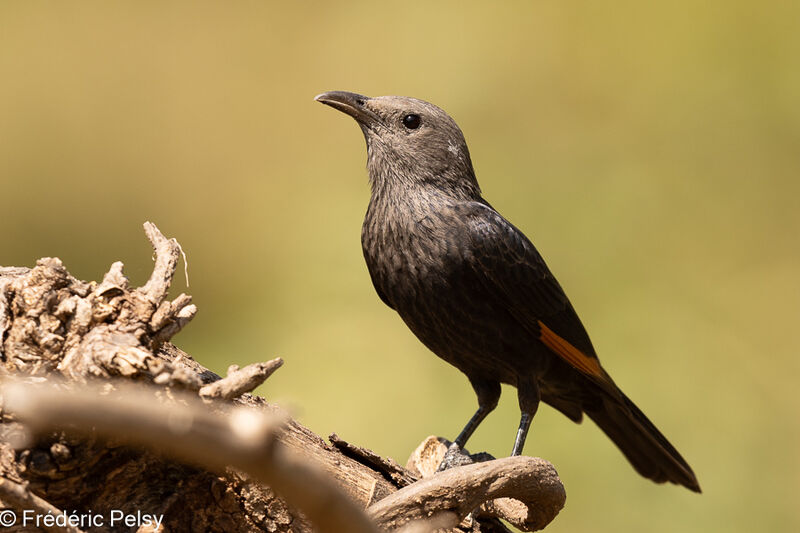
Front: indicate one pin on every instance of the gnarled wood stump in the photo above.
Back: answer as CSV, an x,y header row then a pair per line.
x,y
101,413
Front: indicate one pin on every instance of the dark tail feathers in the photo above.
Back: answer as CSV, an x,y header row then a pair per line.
x,y
645,447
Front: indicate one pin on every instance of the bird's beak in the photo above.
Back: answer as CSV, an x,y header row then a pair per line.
x,y
351,103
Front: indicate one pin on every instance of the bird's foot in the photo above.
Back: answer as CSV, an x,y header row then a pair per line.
x,y
457,456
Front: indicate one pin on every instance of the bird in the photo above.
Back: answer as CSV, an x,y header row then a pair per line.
x,y
474,289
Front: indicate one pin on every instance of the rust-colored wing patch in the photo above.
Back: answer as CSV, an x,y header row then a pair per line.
x,y
572,355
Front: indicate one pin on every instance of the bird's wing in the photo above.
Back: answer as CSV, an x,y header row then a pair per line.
x,y
511,268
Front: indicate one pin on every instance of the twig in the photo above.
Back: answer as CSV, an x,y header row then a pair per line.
x,y
245,439
238,381
175,315
167,254
22,499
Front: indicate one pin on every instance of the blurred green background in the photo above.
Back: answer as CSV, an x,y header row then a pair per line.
x,y
652,152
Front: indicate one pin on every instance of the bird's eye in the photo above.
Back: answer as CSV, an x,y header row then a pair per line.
x,y
411,121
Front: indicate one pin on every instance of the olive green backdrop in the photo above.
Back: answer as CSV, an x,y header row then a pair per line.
x,y
651,151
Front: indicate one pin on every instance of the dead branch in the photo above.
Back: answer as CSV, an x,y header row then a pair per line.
x,y
532,481
238,381
187,430
167,253
527,515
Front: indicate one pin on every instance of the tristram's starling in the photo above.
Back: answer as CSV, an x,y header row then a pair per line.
x,y
473,288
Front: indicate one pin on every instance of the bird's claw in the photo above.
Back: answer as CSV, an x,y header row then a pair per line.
x,y
457,456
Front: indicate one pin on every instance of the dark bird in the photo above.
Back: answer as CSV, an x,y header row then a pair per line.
x,y
474,289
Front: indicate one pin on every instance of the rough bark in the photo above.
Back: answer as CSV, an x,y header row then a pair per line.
x,y
69,333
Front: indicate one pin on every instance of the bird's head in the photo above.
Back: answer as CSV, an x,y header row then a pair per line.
x,y
410,142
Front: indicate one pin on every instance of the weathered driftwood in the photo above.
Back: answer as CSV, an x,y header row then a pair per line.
x,y
54,325
524,491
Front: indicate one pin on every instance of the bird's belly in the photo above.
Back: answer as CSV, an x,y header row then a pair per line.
x,y
467,332
433,286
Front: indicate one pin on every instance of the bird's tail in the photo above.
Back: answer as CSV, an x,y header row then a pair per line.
x,y
644,446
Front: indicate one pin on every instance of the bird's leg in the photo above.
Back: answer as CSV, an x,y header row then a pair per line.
x,y
524,424
472,425
528,394
488,395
